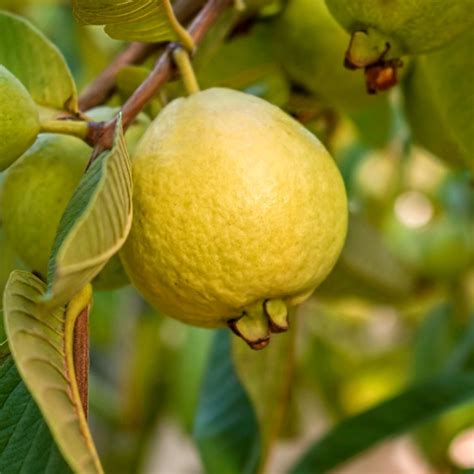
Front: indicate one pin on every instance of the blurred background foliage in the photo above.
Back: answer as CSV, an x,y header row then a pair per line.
x,y
397,306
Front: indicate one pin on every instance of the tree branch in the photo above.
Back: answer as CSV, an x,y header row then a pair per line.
x,y
81,356
104,85
101,134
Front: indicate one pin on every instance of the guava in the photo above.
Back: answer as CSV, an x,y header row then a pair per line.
x,y
239,211
382,31
19,119
439,99
36,191
311,45
440,250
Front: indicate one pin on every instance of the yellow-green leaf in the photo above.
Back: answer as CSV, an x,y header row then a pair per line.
x,y
151,21
94,225
41,342
37,63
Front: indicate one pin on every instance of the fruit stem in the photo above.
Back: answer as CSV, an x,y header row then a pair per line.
x,y
76,128
183,62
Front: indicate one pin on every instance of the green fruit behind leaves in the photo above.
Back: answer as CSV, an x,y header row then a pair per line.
x,y
441,249
311,45
439,97
410,27
36,191
19,120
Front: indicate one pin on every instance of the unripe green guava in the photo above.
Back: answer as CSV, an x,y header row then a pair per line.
x,y
311,45
400,27
441,249
439,99
36,191
19,120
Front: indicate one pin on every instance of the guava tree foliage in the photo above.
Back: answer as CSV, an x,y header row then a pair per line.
x,y
295,177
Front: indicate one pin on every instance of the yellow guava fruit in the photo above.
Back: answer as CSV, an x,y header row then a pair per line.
x,y
19,120
239,211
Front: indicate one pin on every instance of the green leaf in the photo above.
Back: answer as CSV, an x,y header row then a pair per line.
x,y
151,21
267,377
37,63
391,417
226,428
41,343
95,224
26,445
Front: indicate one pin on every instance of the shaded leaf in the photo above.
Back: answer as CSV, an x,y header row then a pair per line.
x,y
267,377
366,267
26,444
41,344
226,428
391,417
37,63
95,224
137,20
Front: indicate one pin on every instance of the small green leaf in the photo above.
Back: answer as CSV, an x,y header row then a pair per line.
x,y
37,63
391,417
26,444
41,343
151,21
94,225
266,376
226,428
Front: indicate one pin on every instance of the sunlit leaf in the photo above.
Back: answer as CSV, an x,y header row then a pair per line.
x,y
132,20
41,342
267,378
391,417
94,225
26,444
37,63
226,428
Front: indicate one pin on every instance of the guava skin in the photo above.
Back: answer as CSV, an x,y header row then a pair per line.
x,y
35,193
412,27
19,119
235,204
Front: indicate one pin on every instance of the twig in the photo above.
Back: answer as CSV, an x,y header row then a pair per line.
x,y
104,84
81,356
101,134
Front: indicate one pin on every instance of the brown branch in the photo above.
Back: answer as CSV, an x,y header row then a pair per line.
x,y
81,356
104,85
101,134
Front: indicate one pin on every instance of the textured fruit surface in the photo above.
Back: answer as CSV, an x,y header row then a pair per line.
x,y
235,203
36,190
19,121
439,98
311,46
412,27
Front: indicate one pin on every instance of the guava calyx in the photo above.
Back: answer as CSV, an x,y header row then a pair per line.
x,y
260,320
382,75
377,55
